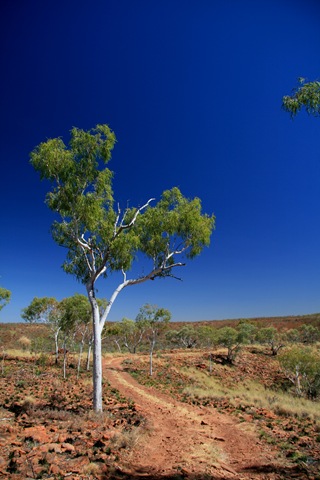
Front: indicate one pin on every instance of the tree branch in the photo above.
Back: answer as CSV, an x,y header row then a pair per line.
x,y
126,283
130,224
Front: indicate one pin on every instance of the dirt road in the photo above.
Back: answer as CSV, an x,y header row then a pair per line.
x,y
194,442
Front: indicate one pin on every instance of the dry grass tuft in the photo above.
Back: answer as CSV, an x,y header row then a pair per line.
x,y
127,439
251,393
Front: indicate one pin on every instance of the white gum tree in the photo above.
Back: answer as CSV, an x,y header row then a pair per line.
x,y
99,237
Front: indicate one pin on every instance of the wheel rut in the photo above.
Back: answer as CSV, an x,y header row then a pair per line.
x,y
196,442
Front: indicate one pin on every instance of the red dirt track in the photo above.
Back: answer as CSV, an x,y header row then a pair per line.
x,y
195,442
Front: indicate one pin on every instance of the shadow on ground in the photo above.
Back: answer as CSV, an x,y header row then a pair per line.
x,y
296,471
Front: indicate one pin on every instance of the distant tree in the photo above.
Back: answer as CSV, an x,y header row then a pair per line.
x,y
114,332
5,296
75,319
232,340
309,334
45,310
131,333
186,336
99,237
306,95
247,331
154,320
301,365
206,335
270,336
292,335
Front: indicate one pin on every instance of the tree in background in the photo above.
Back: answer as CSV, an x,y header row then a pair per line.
x,y
232,340
301,366
99,237
5,296
75,318
292,335
306,95
131,334
45,310
186,336
270,336
309,334
153,320
247,331
114,332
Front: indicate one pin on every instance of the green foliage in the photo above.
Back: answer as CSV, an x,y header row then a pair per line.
x,y
207,335
131,333
187,336
309,334
231,339
270,336
307,95
175,224
5,296
42,309
247,332
302,367
292,335
99,238
153,316
154,320
74,311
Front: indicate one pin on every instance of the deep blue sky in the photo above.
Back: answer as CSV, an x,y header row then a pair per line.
x,y
193,91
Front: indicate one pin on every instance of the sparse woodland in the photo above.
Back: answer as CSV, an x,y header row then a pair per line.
x,y
262,371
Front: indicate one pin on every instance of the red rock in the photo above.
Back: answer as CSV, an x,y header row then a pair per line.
x,y
50,447
62,437
76,465
54,469
38,434
67,447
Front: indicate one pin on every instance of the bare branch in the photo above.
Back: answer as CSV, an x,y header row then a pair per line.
x,y
116,222
130,224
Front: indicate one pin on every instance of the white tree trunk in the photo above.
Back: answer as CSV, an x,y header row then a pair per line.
x,y
79,359
118,345
56,334
97,361
152,345
64,358
89,355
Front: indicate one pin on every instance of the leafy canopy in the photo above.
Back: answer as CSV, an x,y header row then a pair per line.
x,y
100,238
5,296
41,310
307,95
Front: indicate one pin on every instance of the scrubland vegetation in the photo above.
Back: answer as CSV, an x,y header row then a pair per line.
x,y
266,372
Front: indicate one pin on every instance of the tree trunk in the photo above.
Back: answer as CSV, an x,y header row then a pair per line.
x,y
97,333
89,355
97,364
152,344
64,358
56,334
79,359
118,345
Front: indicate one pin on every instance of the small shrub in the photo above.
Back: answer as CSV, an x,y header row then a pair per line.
x,y
42,360
25,342
92,469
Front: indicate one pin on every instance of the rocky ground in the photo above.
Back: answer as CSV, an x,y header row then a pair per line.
x,y
48,430
149,428
295,441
